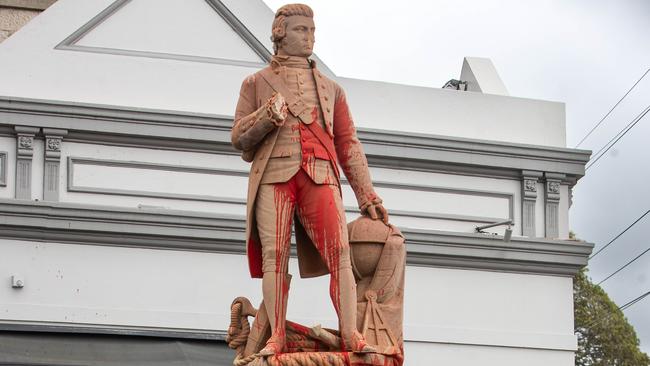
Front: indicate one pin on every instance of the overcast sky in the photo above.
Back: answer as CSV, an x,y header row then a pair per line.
x,y
586,53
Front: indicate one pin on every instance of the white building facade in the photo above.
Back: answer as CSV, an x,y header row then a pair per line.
x,y
122,202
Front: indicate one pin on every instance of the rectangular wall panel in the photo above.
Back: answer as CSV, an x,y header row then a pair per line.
x,y
155,180
8,161
3,169
418,353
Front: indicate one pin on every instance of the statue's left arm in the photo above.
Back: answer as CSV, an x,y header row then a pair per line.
x,y
353,160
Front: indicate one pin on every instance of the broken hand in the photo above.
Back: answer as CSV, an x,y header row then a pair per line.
x,y
277,109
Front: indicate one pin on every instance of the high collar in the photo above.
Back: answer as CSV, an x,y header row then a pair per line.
x,y
292,61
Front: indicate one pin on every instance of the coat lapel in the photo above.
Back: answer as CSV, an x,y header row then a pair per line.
x,y
275,79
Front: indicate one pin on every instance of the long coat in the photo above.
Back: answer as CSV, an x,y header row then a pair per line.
x,y
339,138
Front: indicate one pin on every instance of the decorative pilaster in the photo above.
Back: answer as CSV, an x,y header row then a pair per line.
x,y
24,154
3,168
53,141
528,202
552,205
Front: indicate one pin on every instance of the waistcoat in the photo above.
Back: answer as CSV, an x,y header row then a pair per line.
x,y
296,147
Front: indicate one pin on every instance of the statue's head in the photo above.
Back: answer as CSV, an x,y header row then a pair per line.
x,y
293,31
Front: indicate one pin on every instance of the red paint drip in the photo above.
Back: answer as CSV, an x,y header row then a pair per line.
x,y
324,229
284,204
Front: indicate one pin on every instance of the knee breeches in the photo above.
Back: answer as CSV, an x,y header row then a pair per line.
x,y
320,211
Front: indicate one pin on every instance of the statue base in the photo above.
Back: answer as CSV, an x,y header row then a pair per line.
x,y
327,359
378,262
306,346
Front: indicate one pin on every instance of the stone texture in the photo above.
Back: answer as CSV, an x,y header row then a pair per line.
x,y
27,4
12,20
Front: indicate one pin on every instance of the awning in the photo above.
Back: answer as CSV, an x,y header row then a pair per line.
x,y
35,348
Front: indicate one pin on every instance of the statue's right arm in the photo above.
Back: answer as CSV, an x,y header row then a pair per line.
x,y
252,123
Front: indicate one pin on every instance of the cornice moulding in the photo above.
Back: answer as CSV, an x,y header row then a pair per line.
x,y
186,131
195,231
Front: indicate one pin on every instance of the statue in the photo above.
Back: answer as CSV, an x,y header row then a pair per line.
x,y
293,124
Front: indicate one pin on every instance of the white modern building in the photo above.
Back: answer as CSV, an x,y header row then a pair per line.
x,y
122,202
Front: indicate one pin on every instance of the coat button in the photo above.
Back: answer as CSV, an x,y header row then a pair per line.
x,y
257,171
326,98
328,109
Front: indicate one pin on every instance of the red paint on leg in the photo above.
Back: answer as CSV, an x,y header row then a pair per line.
x,y
283,203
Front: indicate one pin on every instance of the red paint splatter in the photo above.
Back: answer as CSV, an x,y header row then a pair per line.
x,y
284,203
350,153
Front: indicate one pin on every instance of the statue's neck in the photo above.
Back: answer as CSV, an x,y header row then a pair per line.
x,y
292,61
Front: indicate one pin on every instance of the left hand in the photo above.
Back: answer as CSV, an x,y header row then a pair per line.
x,y
376,211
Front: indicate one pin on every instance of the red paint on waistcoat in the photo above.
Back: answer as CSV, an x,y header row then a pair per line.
x,y
312,148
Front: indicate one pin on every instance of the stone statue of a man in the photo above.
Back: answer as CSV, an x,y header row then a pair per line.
x,y
293,124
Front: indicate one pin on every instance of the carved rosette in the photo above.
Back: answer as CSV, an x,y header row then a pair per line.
x,y
53,144
25,142
530,185
553,187
552,190
25,146
52,147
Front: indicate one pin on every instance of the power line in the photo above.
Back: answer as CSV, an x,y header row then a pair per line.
x,y
626,264
629,304
623,131
618,137
621,308
610,111
621,233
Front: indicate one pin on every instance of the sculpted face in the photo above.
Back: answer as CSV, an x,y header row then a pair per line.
x,y
299,37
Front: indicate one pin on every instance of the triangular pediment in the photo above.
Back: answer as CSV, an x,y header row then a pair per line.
x,y
190,30
182,55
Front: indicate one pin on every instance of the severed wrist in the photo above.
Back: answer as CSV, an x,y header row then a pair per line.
x,y
272,117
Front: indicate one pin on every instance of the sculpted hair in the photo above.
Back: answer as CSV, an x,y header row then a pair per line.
x,y
279,26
